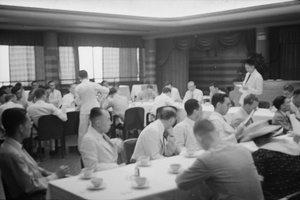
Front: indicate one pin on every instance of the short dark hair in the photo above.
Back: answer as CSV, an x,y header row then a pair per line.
x,y
39,93
191,105
296,92
167,112
46,87
166,90
214,84
204,125
3,88
32,82
250,62
2,92
167,83
15,89
112,91
12,118
218,97
50,82
18,84
278,101
102,83
250,98
96,112
288,87
9,97
149,86
83,74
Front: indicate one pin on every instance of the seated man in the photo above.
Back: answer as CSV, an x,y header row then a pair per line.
x,y
174,92
277,160
20,173
164,99
193,93
147,94
288,90
34,86
55,95
222,103
214,88
98,151
227,169
157,139
68,100
118,103
283,106
295,104
183,131
18,91
2,97
41,108
250,104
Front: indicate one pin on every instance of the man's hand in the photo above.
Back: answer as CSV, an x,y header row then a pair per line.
x,y
239,132
62,171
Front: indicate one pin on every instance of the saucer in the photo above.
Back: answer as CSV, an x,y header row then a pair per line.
x,y
90,186
81,176
134,185
190,156
143,165
174,172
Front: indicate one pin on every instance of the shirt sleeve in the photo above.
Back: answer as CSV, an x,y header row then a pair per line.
x,y
258,86
193,176
179,134
102,89
59,113
152,146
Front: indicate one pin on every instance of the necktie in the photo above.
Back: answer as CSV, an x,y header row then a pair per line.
x,y
247,79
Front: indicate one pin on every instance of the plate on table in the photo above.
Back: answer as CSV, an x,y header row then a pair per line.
x,y
136,186
81,176
143,165
90,186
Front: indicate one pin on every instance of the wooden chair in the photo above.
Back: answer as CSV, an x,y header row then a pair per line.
x,y
129,146
72,124
51,127
134,120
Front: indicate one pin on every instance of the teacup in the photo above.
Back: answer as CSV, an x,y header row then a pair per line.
x,y
190,152
175,167
144,160
140,181
96,181
87,172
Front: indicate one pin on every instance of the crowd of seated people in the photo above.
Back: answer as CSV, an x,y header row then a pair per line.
x,y
216,168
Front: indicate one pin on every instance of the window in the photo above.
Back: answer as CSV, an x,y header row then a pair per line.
x,y
67,65
4,63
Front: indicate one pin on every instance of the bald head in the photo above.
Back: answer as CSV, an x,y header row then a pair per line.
x,y
205,133
191,86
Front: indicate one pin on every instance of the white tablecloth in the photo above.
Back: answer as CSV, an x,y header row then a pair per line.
x,y
137,88
119,183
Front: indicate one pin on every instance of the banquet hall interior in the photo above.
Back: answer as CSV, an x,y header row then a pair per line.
x,y
131,44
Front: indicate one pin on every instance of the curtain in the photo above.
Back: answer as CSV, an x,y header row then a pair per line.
x,y
128,63
27,38
111,64
21,64
290,61
67,65
39,64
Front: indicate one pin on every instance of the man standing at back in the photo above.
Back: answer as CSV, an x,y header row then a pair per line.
x,y
86,95
227,169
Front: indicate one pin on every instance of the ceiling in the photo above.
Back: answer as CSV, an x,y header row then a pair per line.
x,y
44,19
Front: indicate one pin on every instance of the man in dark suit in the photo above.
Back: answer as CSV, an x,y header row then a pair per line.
x,y
281,118
22,177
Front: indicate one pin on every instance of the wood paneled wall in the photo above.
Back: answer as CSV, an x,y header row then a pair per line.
x,y
216,65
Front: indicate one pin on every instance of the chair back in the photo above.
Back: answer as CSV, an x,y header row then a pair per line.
x,y
129,146
263,104
50,127
72,124
134,120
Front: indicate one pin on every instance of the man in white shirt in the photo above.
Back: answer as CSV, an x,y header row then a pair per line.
x,y
222,103
86,93
253,83
193,93
68,101
295,104
183,131
55,95
250,104
157,139
214,88
98,151
174,92
164,99
41,108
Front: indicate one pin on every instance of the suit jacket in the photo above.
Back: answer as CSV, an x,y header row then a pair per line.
x,y
239,117
98,151
152,143
19,170
86,95
255,85
281,119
